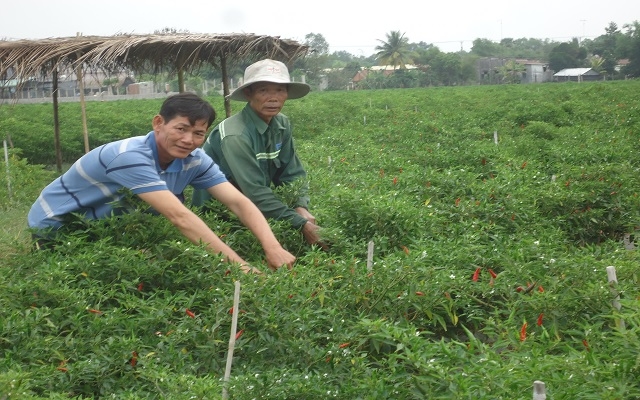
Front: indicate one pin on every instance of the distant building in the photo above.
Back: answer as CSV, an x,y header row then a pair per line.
x,y
95,83
533,71
577,75
621,64
386,70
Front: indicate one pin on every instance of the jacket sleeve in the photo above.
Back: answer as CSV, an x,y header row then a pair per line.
x,y
250,178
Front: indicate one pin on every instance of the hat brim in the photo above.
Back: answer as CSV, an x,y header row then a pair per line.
x,y
295,90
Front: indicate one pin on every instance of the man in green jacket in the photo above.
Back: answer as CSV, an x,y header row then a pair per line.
x,y
255,148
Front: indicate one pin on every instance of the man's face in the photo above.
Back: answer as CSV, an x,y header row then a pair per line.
x,y
177,138
266,99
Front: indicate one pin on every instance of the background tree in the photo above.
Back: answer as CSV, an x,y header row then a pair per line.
x,y
316,61
604,48
567,55
446,68
468,69
485,48
395,51
631,49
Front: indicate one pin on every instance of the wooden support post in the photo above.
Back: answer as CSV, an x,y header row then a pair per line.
x,y
56,121
6,159
83,107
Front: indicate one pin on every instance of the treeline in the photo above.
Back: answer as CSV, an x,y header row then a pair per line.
x,y
615,55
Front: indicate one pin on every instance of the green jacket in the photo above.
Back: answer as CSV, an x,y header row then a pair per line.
x,y
253,156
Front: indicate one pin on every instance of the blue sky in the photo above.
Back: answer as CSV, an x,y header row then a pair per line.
x,y
355,27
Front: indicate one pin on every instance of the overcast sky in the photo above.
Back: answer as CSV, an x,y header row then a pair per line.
x,y
352,26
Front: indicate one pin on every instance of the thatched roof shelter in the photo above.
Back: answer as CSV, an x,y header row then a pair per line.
x,y
149,53
176,52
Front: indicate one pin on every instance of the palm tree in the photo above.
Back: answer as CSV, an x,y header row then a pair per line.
x,y
395,51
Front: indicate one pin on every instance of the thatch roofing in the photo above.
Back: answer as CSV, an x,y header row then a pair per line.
x,y
22,59
149,53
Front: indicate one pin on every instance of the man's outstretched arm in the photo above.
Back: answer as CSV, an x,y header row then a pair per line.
x,y
252,218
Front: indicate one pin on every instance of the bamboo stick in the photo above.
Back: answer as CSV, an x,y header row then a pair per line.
x,y
232,340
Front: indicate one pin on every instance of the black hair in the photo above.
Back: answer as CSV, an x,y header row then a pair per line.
x,y
188,105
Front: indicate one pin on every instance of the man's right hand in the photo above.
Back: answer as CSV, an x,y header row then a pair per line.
x,y
311,234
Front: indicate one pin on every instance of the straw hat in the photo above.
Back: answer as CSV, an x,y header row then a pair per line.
x,y
269,71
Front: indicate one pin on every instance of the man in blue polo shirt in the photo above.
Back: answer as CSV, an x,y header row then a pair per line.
x,y
157,168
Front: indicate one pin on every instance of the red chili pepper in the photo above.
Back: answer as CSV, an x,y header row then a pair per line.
x,y
457,201
405,249
190,313
94,311
419,294
140,286
524,164
231,311
523,332
539,322
519,289
62,367
395,180
492,273
343,345
134,358
586,344
476,274
239,333
540,289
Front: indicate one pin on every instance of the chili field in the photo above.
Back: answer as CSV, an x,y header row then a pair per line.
x,y
471,232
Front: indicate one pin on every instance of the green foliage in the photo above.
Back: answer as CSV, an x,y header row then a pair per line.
x,y
488,270
21,181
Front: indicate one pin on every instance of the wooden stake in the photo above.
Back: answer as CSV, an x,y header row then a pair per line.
x,y
370,256
539,391
232,339
613,283
6,159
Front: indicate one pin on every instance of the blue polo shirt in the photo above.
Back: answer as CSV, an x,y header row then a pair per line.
x,y
92,186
